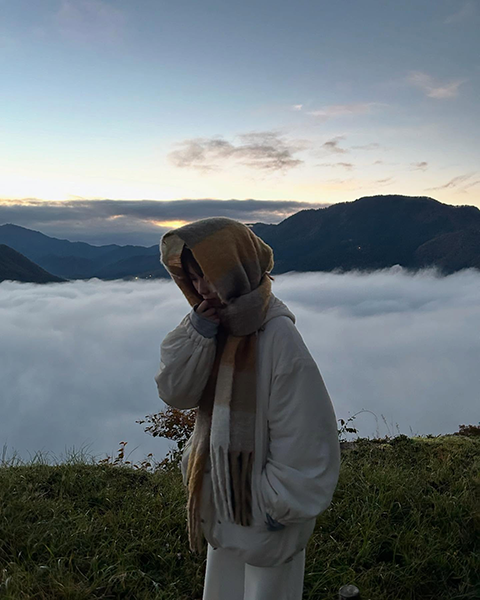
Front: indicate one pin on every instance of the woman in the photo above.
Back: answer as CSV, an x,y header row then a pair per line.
x,y
264,457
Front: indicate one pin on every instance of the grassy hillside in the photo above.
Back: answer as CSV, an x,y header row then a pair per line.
x,y
404,524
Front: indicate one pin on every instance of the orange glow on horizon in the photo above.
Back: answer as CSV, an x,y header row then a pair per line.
x,y
170,224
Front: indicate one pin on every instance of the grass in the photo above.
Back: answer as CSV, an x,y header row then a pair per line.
x,y
403,524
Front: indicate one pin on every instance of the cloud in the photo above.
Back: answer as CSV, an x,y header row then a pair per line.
x,y
386,181
297,107
136,221
471,184
457,182
333,147
419,166
466,13
371,146
266,150
433,89
342,110
77,360
89,21
345,165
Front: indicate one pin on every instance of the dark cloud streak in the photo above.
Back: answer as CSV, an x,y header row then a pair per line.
x,y
457,182
136,221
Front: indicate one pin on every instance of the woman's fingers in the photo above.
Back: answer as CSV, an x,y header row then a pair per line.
x,y
203,306
205,310
208,311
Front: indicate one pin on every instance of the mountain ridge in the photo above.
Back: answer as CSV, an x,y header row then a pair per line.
x,y
71,260
374,232
371,232
16,267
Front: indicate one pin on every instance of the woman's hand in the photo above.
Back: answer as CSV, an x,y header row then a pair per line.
x,y
209,312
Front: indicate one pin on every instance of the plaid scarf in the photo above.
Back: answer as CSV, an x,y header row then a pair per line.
x,y
235,262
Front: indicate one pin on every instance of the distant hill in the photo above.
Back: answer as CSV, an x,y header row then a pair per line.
x,y
373,232
78,260
17,267
376,232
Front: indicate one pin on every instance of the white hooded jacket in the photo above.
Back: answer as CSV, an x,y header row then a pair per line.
x,y
297,452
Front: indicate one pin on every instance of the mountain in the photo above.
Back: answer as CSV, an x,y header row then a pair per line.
x,y
375,232
79,260
17,267
372,232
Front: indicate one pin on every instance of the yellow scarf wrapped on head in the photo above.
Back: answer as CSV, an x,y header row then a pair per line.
x,y
236,262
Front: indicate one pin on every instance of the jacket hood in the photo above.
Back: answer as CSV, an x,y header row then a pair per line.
x,y
236,263
277,308
231,256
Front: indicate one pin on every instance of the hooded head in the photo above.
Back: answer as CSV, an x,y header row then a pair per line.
x,y
235,262
203,287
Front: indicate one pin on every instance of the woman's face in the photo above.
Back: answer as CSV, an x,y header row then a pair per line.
x,y
203,288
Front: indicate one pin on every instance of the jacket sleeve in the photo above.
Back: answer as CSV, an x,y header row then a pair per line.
x,y
186,361
303,461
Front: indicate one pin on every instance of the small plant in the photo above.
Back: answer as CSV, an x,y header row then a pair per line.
x,y
119,460
345,428
173,424
468,430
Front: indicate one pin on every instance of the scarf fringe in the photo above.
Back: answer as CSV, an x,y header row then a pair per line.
x,y
221,483
233,486
195,469
241,467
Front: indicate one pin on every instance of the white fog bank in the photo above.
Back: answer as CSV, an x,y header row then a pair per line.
x,y
78,359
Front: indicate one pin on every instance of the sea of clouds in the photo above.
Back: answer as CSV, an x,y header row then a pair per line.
x,y
78,359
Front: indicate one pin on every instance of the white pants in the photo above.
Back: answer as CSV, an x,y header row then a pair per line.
x,y
227,577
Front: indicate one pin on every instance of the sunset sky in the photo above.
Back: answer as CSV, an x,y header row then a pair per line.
x,y
310,101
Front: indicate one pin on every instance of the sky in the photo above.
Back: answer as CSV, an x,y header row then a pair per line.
x,y
78,359
269,101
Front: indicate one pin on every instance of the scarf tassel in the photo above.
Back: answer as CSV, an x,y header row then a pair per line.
x,y
232,485
196,466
